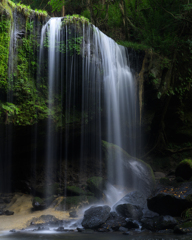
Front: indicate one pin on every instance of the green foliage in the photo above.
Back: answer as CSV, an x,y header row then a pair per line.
x,y
155,23
5,25
115,17
27,11
134,45
57,4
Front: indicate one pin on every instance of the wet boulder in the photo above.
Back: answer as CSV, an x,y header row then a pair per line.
x,y
94,217
165,222
133,169
135,198
114,221
184,169
149,214
131,223
159,223
147,223
123,229
130,211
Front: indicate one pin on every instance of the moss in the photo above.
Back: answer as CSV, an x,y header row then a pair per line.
x,y
5,25
186,161
5,8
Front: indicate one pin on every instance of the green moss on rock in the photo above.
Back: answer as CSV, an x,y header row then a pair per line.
x,y
184,169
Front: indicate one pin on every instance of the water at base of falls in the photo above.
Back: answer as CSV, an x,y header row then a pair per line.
x,y
93,236
90,81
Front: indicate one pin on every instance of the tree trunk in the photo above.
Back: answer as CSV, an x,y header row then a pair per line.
x,y
63,11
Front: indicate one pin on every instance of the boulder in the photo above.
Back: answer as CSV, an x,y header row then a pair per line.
x,y
167,204
135,198
147,223
130,211
123,229
136,173
94,217
165,222
184,169
159,223
114,222
131,223
149,214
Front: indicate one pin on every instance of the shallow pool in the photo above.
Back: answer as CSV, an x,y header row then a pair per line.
x,y
90,236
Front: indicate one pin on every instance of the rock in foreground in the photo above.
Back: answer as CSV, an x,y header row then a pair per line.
x,y
130,211
95,216
166,204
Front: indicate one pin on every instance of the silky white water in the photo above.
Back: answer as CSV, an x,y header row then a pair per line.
x,y
91,73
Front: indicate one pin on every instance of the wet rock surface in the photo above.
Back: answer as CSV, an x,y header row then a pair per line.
x,y
130,211
114,222
135,198
94,217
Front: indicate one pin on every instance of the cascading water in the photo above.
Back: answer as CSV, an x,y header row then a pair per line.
x,y
90,82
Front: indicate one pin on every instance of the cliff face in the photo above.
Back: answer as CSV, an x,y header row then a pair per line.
x,y
20,36
166,112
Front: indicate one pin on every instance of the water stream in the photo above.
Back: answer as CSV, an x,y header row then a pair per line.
x,y
91,74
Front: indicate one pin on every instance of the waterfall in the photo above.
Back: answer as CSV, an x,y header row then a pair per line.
x,y
91,84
